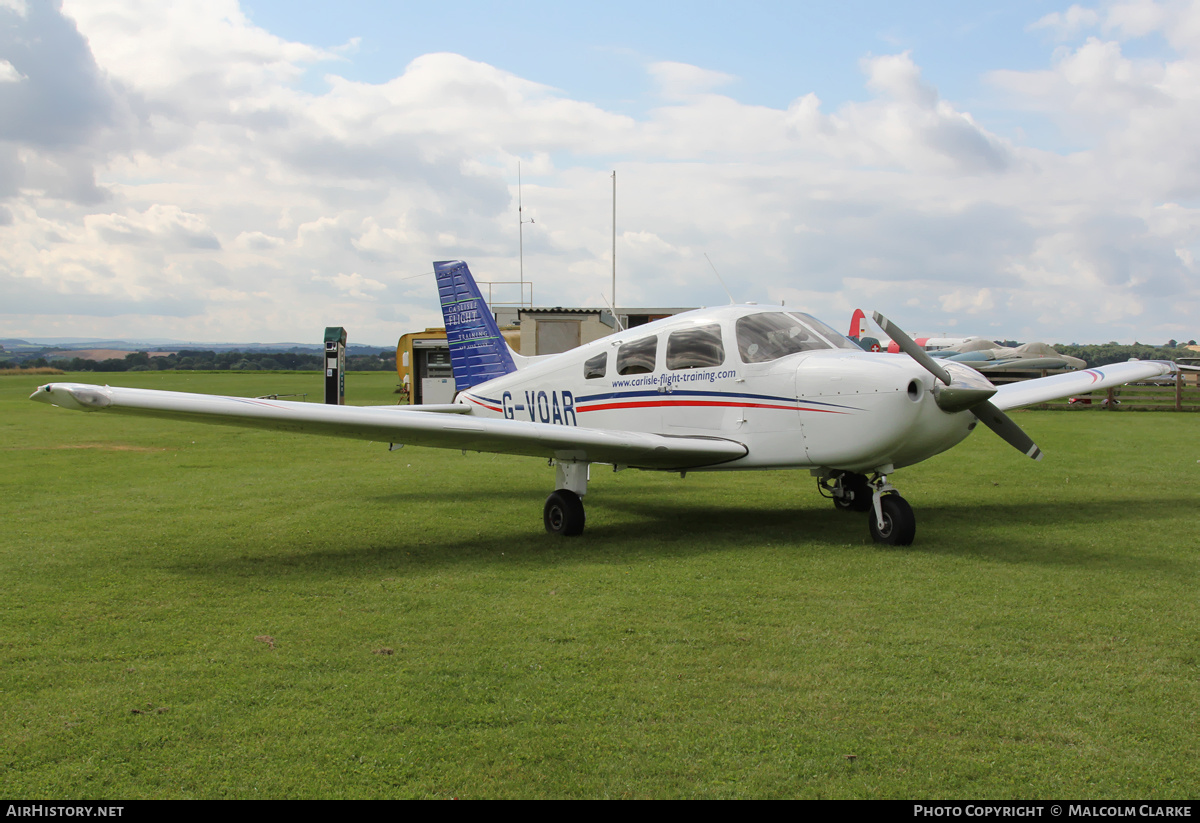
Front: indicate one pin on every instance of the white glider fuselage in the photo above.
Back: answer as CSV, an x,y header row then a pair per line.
x,y
702,374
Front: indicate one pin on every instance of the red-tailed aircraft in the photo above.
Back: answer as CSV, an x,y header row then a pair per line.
x,y
892,347
725,389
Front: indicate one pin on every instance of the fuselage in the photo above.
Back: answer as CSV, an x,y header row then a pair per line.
x,y
797,393
932,344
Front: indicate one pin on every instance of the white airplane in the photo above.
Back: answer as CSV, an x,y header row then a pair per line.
x,y
724,389
930,344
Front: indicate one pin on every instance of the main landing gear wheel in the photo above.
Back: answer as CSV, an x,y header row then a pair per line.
x,y
564,513
856,496
899,523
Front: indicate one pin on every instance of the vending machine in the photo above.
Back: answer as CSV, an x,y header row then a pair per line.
x,y
335,365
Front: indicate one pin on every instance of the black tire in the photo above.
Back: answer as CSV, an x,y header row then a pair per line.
x,y
860,494
899,523
564,513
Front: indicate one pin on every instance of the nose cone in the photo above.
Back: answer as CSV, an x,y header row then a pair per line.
x,y
967,388
955,398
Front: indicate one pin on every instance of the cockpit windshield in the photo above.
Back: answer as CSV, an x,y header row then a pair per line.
x,y
770,335
837,339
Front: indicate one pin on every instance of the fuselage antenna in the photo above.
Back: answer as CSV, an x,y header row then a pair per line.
x,y
722,282
616,318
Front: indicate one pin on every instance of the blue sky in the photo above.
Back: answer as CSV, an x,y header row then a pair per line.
x,y
216,170
596,51
773,52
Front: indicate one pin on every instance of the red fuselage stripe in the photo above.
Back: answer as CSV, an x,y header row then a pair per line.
x,y
485,405
649,403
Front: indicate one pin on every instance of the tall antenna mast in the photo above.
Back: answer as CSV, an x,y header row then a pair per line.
x,y
521,221
614,246
521,231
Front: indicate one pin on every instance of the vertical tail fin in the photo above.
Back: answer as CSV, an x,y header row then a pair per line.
x,y
856,324
478,351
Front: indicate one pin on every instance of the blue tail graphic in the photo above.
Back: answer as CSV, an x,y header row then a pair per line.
x,y
478,351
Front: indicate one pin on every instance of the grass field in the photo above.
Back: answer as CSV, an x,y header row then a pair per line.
x,y
200,611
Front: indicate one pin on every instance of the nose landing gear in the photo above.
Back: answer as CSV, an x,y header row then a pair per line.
x,y
891,519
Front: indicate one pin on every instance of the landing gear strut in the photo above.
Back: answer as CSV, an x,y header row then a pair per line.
x,y
899,525
891,519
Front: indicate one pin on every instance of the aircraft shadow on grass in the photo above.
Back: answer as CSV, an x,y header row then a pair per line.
x,y
983,530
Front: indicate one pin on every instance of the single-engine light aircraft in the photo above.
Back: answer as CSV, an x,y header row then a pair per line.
x,y
720,389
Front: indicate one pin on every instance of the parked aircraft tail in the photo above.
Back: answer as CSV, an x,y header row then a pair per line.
x,y
478,351
856,330
856,324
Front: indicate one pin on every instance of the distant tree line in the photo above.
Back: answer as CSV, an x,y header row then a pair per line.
x,y
1101,354
1098,354
189,360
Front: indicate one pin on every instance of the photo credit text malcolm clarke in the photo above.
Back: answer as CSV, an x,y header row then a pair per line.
x,y
1051,810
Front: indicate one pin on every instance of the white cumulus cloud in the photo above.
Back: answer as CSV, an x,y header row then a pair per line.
x,y
165,172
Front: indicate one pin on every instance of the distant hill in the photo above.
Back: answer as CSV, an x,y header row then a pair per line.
x,y
75,345
101,354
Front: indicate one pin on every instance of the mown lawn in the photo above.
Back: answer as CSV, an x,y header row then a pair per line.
x,y
200,611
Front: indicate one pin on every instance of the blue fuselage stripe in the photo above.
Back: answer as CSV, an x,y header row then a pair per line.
x,y
710,394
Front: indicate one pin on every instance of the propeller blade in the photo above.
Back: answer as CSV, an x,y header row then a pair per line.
x,y
1010,432
910,348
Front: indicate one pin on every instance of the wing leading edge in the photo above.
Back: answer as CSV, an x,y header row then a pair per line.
x,y
1043,389
396,424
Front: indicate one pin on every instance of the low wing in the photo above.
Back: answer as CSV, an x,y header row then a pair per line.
x,y
1043,389
400,424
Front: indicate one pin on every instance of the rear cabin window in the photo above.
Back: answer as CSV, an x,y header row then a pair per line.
x,y
637,357
771,335
695,348
596,366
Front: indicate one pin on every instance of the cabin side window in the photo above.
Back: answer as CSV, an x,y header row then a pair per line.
x,y
637,356
596,366
699,347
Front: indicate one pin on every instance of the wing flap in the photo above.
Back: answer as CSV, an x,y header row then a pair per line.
x,y
1044,389
397,424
